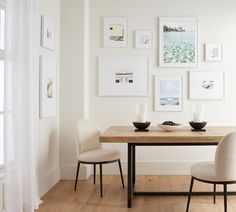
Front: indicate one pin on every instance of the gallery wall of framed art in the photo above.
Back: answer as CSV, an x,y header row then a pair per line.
x,y
178,47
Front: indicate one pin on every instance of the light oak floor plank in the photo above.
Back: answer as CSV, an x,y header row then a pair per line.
x,y
62,198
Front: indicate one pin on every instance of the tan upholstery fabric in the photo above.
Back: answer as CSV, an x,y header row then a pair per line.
x,y
204,171
87,136
223,169
100,155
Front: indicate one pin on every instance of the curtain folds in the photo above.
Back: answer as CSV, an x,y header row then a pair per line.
x,y
21,110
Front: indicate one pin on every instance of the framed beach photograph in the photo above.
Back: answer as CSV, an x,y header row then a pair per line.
x,y
143,39
48,87
206,85
115,32
213,52
168,93
178,42
123,76
47,33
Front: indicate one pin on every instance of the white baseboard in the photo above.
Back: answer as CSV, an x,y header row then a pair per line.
x,y
47,181
142,168
68,172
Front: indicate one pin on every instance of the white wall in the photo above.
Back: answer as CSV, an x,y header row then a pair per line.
x,y
215,24
74,80
48,143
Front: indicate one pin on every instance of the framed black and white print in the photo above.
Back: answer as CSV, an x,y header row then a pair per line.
x,y
123,76
206,85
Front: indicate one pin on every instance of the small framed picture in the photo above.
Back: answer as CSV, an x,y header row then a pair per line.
x,y
143,39
115,32
206,85
213,52
47,33
168,93
48,87
123,76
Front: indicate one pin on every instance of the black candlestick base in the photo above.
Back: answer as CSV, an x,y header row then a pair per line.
x,y
138,130
199,130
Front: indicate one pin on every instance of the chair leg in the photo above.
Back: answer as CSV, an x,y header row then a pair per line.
x,y
214,197
101,179
225,197
77,174
121,174
94,173
190,193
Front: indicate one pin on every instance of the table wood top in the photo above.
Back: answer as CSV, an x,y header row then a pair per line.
x,y
126,134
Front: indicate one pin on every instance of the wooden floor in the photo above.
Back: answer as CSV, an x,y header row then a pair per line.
x,y
62,198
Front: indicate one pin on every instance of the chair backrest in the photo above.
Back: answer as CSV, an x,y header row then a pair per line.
x,y
225,158
87,136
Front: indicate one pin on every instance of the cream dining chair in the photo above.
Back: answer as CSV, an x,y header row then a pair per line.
x,y
89,150
221,171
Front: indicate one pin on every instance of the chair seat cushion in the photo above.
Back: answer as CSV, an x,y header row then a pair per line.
x,y
100,155
204,171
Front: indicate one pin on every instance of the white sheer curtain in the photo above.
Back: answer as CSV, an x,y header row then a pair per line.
x,y
21,191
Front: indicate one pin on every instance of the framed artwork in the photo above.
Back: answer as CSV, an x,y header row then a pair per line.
x,y
115,32
178,42
47,33
143,39
213,52
123,76
206,85
48,87
168,93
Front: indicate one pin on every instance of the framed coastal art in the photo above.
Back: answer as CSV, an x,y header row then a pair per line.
x,y
123,76
178,42
168,93
143,39
206,85
115,32
47,33
213,52
48,87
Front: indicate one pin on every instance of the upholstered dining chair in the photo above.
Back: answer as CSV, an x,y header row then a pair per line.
x,y
89,150
221,171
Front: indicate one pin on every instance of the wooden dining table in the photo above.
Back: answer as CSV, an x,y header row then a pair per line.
x,y
158,137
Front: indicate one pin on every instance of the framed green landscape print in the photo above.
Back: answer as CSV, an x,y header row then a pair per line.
x,y
178,42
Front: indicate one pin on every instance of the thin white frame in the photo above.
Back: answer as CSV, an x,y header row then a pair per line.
x,y
48,107
157,107
138,34
162,21
208,49
45,42
107,21
192,85
110,64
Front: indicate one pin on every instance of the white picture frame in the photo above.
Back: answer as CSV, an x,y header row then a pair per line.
x,y
168,93
123,76
48,87
206,85
47,33
143,39
213,52
178,42
115,32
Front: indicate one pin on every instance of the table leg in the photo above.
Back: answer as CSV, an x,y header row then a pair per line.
x,y
130,183
133,161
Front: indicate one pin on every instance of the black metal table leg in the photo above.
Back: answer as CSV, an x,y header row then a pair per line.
x,y
130,183
133,161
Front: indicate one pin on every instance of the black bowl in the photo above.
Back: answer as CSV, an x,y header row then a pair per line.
x,y
142,125
198,125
